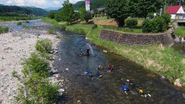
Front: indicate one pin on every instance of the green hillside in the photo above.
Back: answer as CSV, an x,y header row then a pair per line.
x,y
23,10
37,11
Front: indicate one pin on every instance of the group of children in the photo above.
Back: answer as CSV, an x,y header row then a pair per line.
x,y
100,68
130,84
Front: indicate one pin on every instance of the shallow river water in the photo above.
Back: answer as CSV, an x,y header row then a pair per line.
x,y
106,90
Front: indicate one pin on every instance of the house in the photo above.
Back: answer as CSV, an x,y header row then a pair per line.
x,y
99,12
176,12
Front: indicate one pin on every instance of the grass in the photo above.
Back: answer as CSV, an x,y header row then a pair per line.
x,y
135,29
51,21
80,28
44,45
3,30
102,18
19,23
180,31
3,18
27,27
51,31
26,21
58,37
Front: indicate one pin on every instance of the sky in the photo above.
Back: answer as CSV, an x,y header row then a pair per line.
x,y
36,3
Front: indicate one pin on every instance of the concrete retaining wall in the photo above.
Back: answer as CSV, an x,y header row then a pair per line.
x,y
137,38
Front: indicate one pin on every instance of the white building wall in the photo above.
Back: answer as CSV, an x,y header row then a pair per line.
x,y
173,16
181,10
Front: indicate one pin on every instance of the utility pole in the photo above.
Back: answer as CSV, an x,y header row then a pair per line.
x,y
164,6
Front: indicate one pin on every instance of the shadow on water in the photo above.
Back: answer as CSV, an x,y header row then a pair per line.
x,y
106,90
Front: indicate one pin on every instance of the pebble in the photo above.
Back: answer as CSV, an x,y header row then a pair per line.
x,y
78,101
105,51
183,94
163,77
67,69
177,83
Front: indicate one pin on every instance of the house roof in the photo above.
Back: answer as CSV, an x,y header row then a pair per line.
x,y
172,9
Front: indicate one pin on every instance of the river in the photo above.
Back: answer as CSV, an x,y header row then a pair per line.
x,y
105,90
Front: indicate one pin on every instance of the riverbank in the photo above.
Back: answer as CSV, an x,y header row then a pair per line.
x,y
163,60
15,46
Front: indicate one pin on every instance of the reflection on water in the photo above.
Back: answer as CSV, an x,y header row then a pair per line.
x,y
106,90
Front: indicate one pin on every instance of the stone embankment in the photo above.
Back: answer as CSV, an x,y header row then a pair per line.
x,y
137,38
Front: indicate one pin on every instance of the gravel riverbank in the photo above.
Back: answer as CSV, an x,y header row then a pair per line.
x,y
15,46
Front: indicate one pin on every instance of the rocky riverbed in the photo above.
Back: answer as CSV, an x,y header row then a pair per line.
x,y
15,46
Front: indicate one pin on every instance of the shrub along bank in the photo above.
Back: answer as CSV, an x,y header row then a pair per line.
x,y
35,87
162,60
3,30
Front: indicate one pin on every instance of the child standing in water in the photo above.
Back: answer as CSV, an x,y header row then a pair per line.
x,y
87,49
109,67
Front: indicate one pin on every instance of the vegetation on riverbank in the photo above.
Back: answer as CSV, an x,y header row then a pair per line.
x,y
35,86
180,31
19,23
16,18
3,30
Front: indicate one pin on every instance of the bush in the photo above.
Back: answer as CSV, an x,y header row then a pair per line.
x,y
3,30
37,90
131,22
58,37
36,64
94,26
44,45
154,25
51,31
159,24
19,23
51,15
167,19
26,21
87,16
62,27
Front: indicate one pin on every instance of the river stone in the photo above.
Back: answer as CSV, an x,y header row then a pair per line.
x,y
183,95
177,83
67,69
105,51
163,77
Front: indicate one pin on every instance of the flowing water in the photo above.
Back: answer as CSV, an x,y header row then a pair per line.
x,y
106,90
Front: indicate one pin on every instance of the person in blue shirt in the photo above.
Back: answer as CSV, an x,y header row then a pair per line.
x,y
125,89
90,75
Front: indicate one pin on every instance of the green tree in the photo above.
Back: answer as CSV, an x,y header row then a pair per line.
x,y
67,13
141,8
51,15
117,9
82,13
87,16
